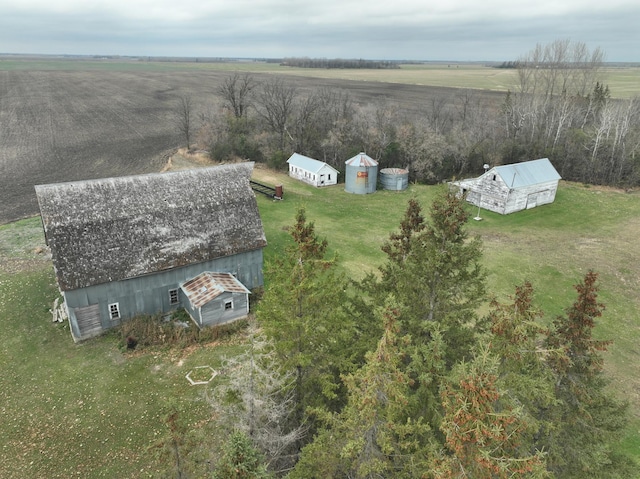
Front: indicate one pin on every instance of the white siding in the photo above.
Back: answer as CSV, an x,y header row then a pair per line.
x,y
491,192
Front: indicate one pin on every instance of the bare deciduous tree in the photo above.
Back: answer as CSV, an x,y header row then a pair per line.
x,y
306,125
262,403
236,92
560,66
438,114
423,150
184,118
277,102
377,128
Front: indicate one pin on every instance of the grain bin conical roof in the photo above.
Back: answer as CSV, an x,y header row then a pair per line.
x,y
361,159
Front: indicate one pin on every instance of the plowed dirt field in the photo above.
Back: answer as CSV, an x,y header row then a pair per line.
x,y
73,125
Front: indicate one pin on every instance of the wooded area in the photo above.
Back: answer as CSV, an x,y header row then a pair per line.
x,y
305,62
560,110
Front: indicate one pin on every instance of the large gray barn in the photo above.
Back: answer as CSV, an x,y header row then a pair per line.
x,y
125,246
509,188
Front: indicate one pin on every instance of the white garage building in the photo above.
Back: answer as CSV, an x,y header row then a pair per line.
x,y
314,172
509,188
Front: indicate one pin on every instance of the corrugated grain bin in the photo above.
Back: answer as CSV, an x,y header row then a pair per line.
x,y
361,174
396,179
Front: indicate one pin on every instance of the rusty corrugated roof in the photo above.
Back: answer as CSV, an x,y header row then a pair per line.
x,y
361,159
207,286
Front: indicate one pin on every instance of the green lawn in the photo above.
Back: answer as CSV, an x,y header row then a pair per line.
x,y
93,410
88,410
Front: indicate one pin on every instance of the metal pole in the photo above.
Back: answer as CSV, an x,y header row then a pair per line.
x,y
477,218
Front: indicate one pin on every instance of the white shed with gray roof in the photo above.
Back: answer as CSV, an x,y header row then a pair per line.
x,y
509,188
123,246
313,172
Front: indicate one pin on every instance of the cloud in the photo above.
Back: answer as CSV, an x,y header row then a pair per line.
x,y
402,29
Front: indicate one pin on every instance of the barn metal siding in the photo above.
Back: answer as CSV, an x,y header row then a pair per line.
x,y
214,312
189,308
149,294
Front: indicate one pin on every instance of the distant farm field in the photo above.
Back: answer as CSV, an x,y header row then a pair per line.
x,y
623,80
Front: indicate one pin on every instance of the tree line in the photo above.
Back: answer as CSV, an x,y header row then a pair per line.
x,y
560,109
398,376
305,62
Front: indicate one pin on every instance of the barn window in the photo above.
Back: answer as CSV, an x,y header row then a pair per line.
x,y
114,311
228,305
173,296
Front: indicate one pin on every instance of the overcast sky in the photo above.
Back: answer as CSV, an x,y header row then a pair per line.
x,y
454,30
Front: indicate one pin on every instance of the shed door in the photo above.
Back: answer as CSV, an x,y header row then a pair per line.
x,y
88,319
532,200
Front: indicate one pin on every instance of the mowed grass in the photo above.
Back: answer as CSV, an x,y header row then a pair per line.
x,y
93,410
623,81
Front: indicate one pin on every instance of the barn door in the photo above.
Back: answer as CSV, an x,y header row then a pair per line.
x,y
88,319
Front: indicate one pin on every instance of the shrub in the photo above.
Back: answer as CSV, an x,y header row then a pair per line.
x,y
176,330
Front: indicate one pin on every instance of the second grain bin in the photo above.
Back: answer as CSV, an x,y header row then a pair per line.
x,y
361,174
395,179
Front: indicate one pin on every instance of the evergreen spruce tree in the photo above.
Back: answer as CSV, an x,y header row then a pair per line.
x,y
301,313
517,338
399,245
240,460
588,418
434,271
484,427
373,436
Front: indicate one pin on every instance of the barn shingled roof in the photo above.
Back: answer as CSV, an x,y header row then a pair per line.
x,y
117,228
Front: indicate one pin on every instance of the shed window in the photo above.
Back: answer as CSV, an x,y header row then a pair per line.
x,y
173,296
228,305
329,176
494,177
114,311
